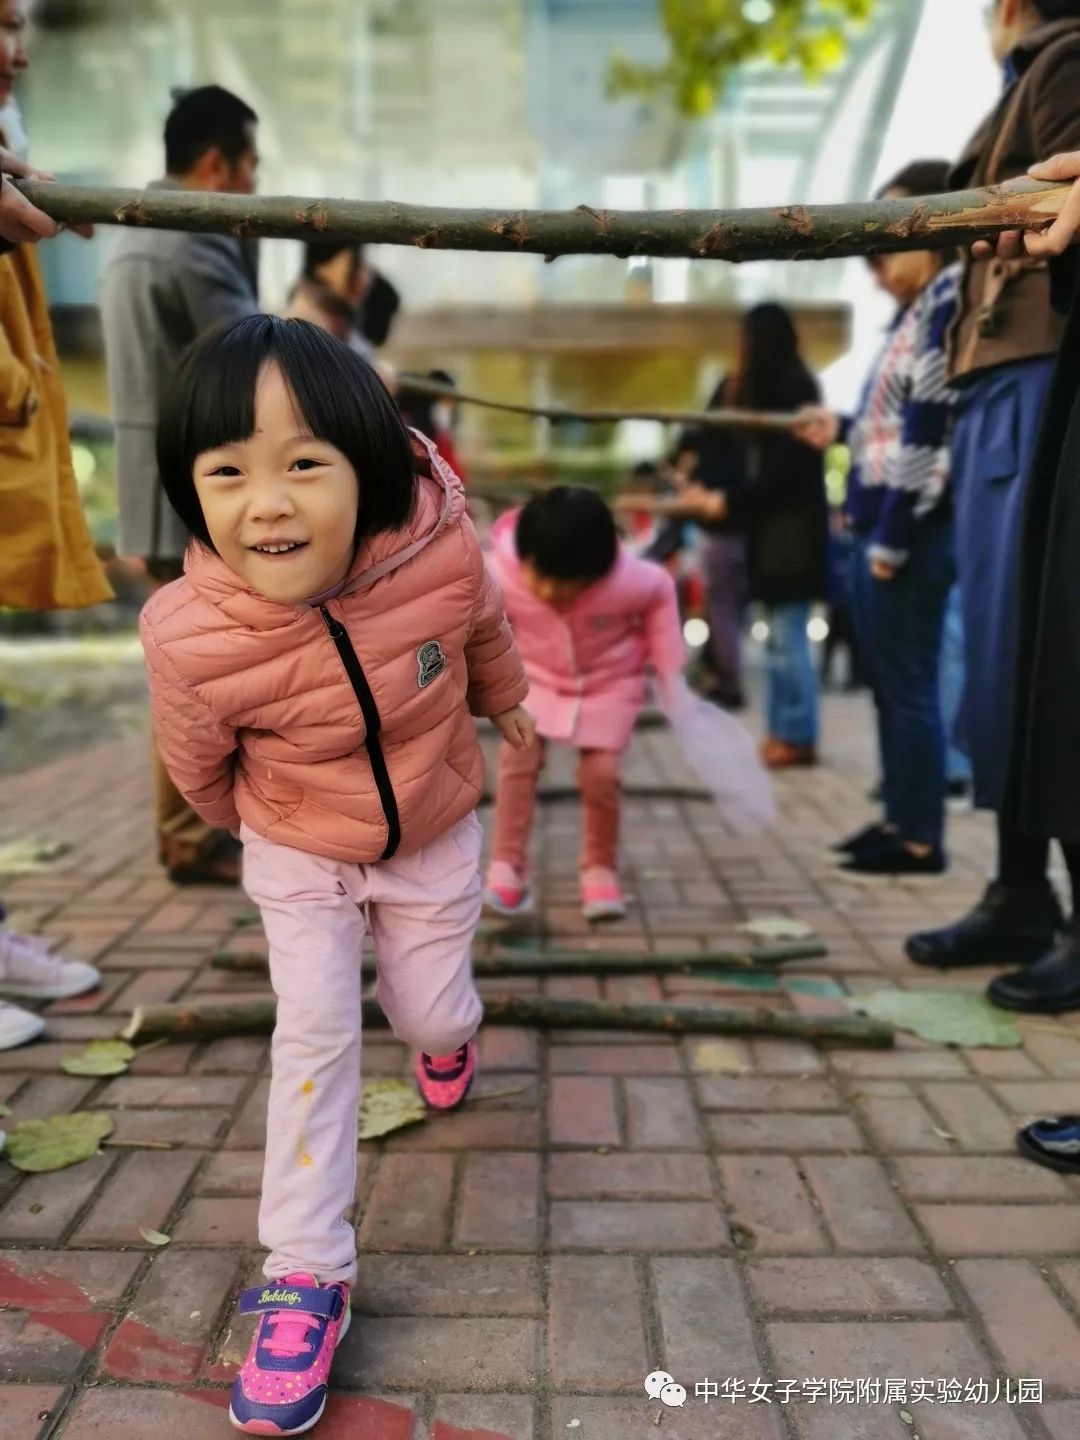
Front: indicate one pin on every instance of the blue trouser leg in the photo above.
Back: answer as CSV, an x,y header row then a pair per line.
x,y
993,444
792,682
908,615
957,763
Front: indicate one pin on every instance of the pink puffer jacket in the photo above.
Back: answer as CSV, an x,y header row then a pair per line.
x,y
587,663
343,730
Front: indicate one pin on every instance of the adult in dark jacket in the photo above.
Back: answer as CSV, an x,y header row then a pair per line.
x,y
785,514
1002,355
160,290
1043,787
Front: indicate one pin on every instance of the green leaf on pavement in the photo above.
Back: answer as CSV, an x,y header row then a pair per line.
x,y
776,927
30,854
716,1059
388,1105
99,1057
58,1141
949,1017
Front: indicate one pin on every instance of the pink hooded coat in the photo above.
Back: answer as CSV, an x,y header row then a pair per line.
x,y
342,730
587,662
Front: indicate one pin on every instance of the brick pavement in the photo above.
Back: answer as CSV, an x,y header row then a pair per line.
x,y
624,1208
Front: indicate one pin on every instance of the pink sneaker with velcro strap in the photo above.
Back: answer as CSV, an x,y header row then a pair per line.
x,y
601,895
282,1386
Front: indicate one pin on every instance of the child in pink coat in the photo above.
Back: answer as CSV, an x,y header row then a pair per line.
x,y
591,621
312,676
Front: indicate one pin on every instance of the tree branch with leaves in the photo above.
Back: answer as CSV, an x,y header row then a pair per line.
x,y
709,40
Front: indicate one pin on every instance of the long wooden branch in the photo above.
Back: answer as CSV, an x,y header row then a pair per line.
x,y
743,419
205,1019
791,232
582,962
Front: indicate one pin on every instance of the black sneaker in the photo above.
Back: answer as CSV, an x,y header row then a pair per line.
x,y
868,835
891,857
1007,927
1050,986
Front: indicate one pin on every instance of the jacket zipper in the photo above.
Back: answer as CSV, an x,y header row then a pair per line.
x,y
362,690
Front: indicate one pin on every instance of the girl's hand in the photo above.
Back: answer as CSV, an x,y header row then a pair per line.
x,y
1014,244
517,727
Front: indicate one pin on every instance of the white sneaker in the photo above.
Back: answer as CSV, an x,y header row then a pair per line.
x,y
18,1027
29,971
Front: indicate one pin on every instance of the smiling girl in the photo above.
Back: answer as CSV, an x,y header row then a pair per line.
x,y
312,675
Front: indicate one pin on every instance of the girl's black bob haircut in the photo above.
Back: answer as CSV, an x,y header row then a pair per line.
x,y
568,533
211,402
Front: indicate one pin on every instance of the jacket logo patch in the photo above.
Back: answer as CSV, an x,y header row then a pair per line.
x,y
430,661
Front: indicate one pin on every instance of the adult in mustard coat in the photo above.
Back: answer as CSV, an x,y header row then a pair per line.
x,y
47,558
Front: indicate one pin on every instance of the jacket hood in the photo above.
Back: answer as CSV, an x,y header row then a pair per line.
x,y
440,500
1032,46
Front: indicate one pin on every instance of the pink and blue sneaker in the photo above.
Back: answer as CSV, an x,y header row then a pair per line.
x,y
445,1080
281,1388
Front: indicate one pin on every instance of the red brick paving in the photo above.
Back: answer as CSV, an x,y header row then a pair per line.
x,y
627,1207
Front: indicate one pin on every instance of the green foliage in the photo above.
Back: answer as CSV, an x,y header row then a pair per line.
x,y
709,39
945,1017
99,1057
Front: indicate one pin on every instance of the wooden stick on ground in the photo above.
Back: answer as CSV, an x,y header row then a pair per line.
x,y
583,962
209,1019
789,232
565,794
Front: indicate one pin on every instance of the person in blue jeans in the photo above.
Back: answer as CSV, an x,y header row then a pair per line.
x,y
899,509
957,760
782,509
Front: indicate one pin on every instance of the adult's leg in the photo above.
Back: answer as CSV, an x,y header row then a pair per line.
x,y
315,933
864,615
423,916
723,563
1051,984
909,612
997,426
793,691
957,761
515,803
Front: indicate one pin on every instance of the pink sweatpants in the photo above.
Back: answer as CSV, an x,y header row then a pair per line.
x,y
515,803
422,911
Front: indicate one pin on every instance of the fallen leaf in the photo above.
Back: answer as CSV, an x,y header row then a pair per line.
x,y
388,1105
58,1140
99,1057
36,1208
573,1424
717,1059
153,1237
498,1094
5,1109
949,1017
906,1417
776,927
30,855
944,1134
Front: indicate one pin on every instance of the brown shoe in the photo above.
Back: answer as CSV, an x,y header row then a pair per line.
x,y
778,755
218,866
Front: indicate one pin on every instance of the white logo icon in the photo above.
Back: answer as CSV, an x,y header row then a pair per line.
x,y
655,1382
673,1394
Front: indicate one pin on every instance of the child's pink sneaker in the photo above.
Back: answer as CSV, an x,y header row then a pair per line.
x,y
281,1389
506,891
444,1080
601,895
